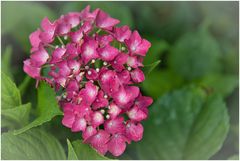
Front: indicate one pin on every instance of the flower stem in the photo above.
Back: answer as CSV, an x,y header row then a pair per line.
x,y
60,40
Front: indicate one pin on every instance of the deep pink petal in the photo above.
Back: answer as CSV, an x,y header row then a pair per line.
x,y
32,71
103,20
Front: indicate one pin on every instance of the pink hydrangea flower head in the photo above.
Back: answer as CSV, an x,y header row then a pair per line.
x,y
94,67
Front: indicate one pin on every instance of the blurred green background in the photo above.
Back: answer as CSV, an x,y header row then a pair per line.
x,y
197,43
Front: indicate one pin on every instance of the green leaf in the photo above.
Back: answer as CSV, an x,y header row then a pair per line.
x,y
17,116
234,157
150,67
34,144
114,9
222,84
159,82
195,54
158,47
85,152
10,95
71,153
6,61
27,19
184,124
47,107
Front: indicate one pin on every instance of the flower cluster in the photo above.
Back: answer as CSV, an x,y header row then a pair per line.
x,y
93,66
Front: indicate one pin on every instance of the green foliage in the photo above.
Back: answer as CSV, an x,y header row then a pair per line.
x,y
26,20
15,117
158,46
159,82
10,95
195,54
184,124
71,153
47,107
222,84
6,62
79,151
34,144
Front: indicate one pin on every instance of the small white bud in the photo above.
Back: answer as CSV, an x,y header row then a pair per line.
x,y
105,96
104,63
82,73
93,61
97,69
123,48
56,46
87,67
129,68
62,46
65,37
89,72
102,111
107,116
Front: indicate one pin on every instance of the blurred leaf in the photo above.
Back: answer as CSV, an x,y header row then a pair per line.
x,y
184,124
156,50
114,9
47,107
234,157
10,95
6,61
85,152
23,86
195,54
20,19
34,144
160,82
222,84
71,153
16,117
167,20
150,67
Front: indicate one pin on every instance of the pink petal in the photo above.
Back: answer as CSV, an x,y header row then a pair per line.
x,y
76,36
79,125
122,33
68,119
32,71
117,145
119,61
143,101
72,85
71,50
143,48
89,51
91,74
97,119
57,55
137,75
136,114
124,77
114,110
90,131
108,53
34,38
134,131
114,125
39,57
63,29
100,101
104,40
103,20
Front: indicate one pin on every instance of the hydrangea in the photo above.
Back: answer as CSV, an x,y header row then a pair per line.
x,y
94,67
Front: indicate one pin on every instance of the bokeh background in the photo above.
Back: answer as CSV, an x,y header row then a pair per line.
x,y
197,43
